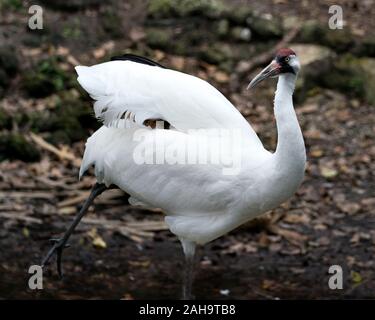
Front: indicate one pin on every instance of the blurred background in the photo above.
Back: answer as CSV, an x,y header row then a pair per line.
x,y
120,252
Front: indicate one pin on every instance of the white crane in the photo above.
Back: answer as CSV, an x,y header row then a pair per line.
x,y
200,201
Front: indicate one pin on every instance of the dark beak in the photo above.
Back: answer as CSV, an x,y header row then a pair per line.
x,y
272,70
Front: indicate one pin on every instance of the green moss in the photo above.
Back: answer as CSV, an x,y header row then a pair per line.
x,y
345,76
181,48
348,74
46,78
67,123
212,55
340,40
367,70
159,8
72,31
222,28
240,15
265,28
311,32
158,38
15,146
15,5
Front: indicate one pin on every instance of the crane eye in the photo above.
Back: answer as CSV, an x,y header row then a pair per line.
x,y
287,59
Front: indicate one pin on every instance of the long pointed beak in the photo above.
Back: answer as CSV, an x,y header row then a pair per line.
x,y
272,70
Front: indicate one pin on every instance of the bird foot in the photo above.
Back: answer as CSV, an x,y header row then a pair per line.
x,y
59,244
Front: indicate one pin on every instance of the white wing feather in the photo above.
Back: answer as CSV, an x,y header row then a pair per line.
x,y
127,92
192,196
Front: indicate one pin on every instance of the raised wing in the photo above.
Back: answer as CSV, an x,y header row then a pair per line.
x,y
128,93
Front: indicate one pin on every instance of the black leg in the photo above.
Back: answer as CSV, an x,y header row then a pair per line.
x,y
61,243
189,248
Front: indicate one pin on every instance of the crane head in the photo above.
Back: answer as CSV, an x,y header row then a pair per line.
x,y
285,61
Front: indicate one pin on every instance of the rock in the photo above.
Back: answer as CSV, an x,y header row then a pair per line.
x,y
265,27
367,71
290,22
222,28
183,8
15,146
321,67
315,61
311,32
353,76
309,55
340,40
158,38
71,5
345,76
160,8
241,34
240,15
216,54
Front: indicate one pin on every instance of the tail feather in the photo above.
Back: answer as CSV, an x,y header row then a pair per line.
x,y
91,81
94,153
112,109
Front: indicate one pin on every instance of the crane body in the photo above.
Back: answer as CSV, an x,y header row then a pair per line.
x,y
200,201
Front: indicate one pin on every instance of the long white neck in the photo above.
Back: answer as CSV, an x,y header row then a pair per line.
x,y
290,156
290,146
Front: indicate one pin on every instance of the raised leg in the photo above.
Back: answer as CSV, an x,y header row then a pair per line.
x,y
189,248
61,243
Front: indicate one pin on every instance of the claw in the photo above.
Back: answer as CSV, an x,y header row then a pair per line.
x,y
59,244
58,247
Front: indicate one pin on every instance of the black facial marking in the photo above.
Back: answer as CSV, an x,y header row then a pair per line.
x,y
283,61
138,59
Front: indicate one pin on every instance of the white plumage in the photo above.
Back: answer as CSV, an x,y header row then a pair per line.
x,y
200,202
233,180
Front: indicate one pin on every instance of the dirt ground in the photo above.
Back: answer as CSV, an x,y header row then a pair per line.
x,y
122,252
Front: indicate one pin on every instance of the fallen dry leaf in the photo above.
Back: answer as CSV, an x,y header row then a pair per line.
x,y
328,172
98,242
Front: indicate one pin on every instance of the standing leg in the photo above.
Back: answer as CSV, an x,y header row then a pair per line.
x,y
61,243
189,248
